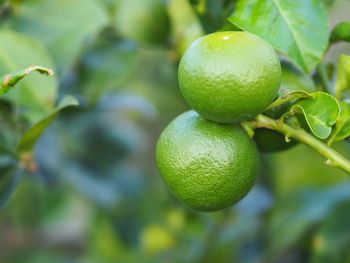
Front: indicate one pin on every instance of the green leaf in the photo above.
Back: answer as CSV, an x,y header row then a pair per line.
x,y
8,185
185,24
342,127
10,80
105,66
341,32
211,14
343,79
294,215
32,135
18,52
289,97
9,178
321,112
63,28
297,28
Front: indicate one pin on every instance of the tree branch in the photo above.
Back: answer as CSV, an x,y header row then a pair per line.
x,y
333,157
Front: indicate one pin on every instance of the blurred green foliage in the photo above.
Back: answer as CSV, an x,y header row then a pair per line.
x,y
94,193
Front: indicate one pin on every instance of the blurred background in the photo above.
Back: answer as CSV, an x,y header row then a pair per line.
x,y
95,194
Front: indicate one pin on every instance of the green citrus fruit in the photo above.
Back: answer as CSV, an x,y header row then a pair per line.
x,y
145,21
208,166
229,76
292,80
156,238
271,141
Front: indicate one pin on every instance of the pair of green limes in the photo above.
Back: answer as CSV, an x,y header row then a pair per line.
x,y
205,156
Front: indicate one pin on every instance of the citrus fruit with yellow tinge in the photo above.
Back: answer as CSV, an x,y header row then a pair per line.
x,y
156,238
208,166
229,76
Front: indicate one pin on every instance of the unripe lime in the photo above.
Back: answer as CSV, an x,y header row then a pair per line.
x,y
229,76
271,141
208,166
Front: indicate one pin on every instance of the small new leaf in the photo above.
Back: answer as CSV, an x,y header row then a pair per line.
x,y
288,97
321,112
32,135
343,79
342,127
341,32
10,80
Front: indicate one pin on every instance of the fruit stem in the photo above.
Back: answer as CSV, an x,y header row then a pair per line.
x,y
333,157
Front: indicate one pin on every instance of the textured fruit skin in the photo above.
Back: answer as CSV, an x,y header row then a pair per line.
x,y
292,80
208,166
145,21
229,76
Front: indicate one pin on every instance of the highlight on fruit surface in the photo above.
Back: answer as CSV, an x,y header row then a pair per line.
x,y
229,77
